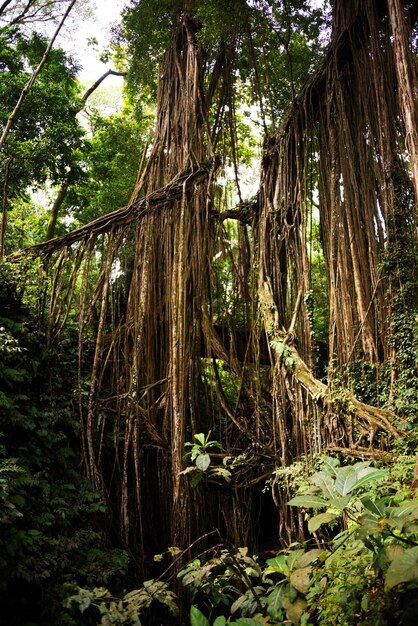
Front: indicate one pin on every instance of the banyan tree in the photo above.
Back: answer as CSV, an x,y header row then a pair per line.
x,y
196,316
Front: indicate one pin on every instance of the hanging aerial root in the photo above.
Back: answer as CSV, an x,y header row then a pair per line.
x,y
376,418
125,216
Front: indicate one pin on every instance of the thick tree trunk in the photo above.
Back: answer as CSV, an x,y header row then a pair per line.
x,y
162,387
406,72
377,419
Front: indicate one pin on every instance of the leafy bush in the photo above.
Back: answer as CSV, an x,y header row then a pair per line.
x,y
357,578
51,518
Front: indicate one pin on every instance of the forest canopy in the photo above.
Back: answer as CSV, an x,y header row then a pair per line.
x,y
209,316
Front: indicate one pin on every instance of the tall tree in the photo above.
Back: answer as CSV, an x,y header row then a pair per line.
x,y
170,359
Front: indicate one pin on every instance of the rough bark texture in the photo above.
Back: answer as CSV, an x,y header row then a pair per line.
x,y
406,72
151,389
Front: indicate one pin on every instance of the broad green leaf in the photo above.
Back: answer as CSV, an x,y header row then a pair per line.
x,y
370,524
196,480
406,508
360,465
84,604
376,507
308,502
220,621
251,571
326,484
222,472
151,585
278,346
308,557
279,563
200,437
262,619
404,568
169,599
293,557
274,570
238,603
203,462
213,444
274,603
195,452
394,551
246,621
340,503
396,523
345,480
329,465
197,618
294,610
343,536
368,474
292,593
300,579
322,518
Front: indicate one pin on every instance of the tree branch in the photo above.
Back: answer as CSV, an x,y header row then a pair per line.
x,y
97,84
126,215
59,200
244,212
4,6
34,76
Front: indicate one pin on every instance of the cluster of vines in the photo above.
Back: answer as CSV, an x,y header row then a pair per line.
x,y
154,326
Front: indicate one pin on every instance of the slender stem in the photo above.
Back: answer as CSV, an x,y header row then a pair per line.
x,y
98,82
4,213
4,6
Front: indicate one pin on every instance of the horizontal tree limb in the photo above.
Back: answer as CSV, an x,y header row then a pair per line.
x,y
123,217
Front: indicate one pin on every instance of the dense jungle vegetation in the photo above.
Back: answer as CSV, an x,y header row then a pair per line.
x,y
209,316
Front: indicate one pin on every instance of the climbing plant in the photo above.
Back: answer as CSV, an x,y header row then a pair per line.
x,y
187,324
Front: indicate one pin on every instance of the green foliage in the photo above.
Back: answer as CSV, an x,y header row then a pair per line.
x,y
202,460
286,38
393,384
12,477
110,162
32,12
375,549
143,37
41,147
197,618
357,578
234,583
284,354
221,21
224,581
99,606
405,343
50,517
40,144
27,223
